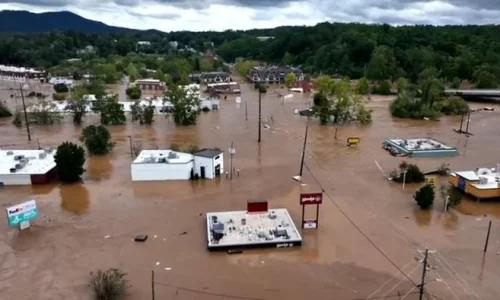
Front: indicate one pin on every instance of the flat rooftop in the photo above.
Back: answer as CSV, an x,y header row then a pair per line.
x,y
35,165
240,228
488,178
163,156
420,144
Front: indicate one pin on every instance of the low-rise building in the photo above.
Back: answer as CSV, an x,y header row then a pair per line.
x,y
150,84
59,80
26,167
210,77
273,74
482,183
11,72
160,165
223,88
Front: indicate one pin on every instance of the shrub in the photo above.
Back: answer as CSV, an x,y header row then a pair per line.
x,y
133,92
97,139
108,285
175,147
363,86
61,88
192,149
58,96
413,174
425,196
69,160
452,106
17,121
444,169
453,194
4,111
384,88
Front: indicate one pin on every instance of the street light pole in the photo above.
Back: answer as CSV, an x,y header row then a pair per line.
x,y
404,179
246,110
25,113
304,149
232,151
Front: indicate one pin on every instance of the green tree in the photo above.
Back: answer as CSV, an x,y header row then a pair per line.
x,y
132,72
486,80
455,84
44,113
143,113
61,88
384,88
4,111
133,92
363,86
17,120
402,84
97,139
69,160
382,64
243,67
112,112
185,105
78,104
453,195
425,196
109,73
290,79
413,174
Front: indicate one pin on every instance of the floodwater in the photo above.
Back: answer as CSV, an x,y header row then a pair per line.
x,y
369,227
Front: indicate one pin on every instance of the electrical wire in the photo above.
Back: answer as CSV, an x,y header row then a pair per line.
x,y
207,293
359,229
388,297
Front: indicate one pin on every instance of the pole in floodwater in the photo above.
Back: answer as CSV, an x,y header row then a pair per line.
x,y
130,143
304,149
424,272
260,114
487,238
25,113
153,284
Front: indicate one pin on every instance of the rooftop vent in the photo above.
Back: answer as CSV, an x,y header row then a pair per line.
x,y
42,155
10,152
172,155
18,157
162,160
13,170
19,166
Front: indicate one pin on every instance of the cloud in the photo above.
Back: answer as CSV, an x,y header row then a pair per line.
x,y
201,15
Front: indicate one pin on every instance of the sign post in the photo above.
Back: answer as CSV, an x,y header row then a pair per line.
x,y
21,214
310,199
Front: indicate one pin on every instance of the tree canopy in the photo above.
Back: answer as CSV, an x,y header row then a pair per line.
x,y
69,160
97,139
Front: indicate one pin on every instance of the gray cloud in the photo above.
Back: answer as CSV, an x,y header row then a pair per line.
x,y
156,15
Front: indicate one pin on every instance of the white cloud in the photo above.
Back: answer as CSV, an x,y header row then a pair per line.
x,y
200,15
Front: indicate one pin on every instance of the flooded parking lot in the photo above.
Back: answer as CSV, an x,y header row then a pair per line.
x,y
369,227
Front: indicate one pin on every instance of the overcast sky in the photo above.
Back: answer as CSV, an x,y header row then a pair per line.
x,y
199,15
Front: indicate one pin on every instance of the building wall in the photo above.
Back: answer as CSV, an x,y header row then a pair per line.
x,y
219,160
15,179
44,178
161,171
204,162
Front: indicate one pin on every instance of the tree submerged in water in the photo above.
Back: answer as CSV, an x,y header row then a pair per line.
x,y
4,111
425,196
143,113
97,139
69,160
108,285
335,102
185,104
413,174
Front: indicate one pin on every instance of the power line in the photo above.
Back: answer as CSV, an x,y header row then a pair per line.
x,y
207,293
359,229
387,297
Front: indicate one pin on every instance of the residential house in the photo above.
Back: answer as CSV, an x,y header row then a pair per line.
x,y
210,77
273,74
142,45
150,84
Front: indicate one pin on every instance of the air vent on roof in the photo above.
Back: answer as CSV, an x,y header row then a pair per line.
x,y
42,155
10,152
18,157
19,166
172,155
13,170
162,160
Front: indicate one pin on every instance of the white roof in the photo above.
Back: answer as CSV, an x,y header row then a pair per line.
x,y
35,165
153,156
16,69
469,175
147,81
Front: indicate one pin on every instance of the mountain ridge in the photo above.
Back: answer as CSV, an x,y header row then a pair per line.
x,y
25,22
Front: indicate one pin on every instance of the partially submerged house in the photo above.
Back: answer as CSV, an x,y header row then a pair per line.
x,y
273,74
160,165
210,77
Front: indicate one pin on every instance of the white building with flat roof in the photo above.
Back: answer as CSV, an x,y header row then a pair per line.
x,y
159,165
26,167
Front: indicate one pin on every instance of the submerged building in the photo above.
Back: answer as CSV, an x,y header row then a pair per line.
x,y
159,165
26,167
482,183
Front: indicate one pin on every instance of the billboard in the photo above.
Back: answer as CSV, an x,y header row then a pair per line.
x,y
22,213
311,198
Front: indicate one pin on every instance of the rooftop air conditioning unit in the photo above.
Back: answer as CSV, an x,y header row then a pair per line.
x,y
18,157
13,170
172,155
10,152
19,166
42,155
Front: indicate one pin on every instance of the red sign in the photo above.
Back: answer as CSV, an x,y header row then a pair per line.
x,y
311,198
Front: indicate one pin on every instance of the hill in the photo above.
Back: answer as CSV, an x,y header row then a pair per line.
x,y
27,22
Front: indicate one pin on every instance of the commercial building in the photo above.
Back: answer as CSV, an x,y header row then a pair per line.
x,y
223,88
210,77
160,165
26,167
20,73
149,84
482,183
273,74
419,147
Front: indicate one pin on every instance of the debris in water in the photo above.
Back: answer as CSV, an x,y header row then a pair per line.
x,y
168,269
164,239
157,263
155,236
183,233
107,237
141,237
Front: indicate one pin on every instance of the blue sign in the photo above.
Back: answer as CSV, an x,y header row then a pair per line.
x,y
23,212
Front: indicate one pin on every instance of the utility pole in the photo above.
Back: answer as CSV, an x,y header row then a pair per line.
x,y
246,110
487,238
130,142
424,272
304,149
25,113
468,121
232,151
153,284
260,114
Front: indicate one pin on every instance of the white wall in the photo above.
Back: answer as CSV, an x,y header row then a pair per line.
x,y
15,179
161,171
204,162
220,161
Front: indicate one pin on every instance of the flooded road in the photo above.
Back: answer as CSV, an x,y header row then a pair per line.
x,y
369,227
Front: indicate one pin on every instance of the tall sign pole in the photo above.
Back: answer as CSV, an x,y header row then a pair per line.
x,y
25,113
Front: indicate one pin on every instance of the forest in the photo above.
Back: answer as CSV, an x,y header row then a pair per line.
x,y
378,52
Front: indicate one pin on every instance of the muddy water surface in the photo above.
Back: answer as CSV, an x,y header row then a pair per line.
x,y
369,227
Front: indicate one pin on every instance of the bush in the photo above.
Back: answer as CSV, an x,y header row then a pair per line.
x,y
384,88
61,88
192,149
363,86
112,113
413,174
175,147
17,121
108,285
444,169
69,160
134,92
453,194
4,111
97,139
425,196
58,96
452,106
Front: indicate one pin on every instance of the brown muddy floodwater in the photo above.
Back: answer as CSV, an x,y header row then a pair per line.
x,y
52,259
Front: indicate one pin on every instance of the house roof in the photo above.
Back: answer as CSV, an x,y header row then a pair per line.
x,y
208,153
